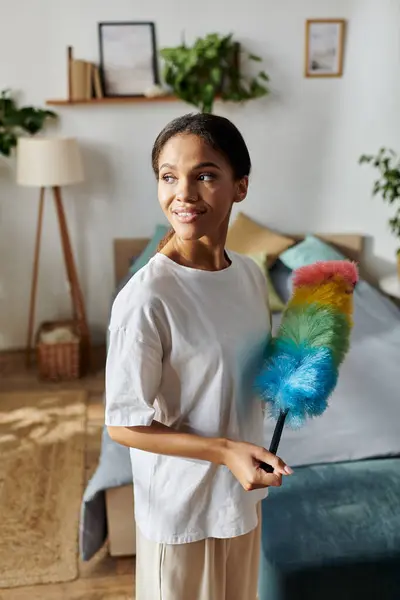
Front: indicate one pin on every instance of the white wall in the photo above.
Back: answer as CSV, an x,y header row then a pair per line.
x,y
305,139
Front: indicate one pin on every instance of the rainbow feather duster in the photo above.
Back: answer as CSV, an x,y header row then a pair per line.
x,y
301,366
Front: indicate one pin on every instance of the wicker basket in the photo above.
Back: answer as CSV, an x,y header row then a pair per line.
x,y
59,360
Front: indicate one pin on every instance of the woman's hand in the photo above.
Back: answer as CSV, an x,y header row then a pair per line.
x,y
244,459
241,458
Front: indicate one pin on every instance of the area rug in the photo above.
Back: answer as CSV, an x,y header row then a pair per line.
x,y
42,454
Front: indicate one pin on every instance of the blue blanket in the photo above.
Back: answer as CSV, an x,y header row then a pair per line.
x,y
333,531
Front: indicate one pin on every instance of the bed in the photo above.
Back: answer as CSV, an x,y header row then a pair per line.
x,y
333,529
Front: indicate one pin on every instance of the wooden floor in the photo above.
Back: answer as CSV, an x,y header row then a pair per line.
x,y
102,578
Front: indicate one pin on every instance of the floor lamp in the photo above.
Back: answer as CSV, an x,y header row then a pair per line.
x,y
52,163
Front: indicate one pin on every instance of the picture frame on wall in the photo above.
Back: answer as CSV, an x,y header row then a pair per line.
x,y
128,58
324,47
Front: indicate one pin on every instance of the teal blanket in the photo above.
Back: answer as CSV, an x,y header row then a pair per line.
x,y
332,532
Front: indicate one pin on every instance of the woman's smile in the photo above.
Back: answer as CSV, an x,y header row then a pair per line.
x,y
188,215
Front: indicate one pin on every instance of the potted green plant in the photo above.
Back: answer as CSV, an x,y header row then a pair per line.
x,y
208,69
16,121
388,186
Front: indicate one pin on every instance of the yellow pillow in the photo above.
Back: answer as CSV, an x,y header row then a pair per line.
x,y
275,303
248,237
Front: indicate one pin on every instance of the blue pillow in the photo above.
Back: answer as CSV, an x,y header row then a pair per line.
x,y
307,252
150,250
281,277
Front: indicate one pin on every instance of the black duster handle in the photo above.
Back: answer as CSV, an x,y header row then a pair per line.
x,y
276,438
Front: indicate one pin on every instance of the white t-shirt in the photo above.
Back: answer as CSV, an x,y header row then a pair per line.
x,y
183,348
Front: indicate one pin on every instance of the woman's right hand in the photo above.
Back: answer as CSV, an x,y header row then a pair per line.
x,y
244,459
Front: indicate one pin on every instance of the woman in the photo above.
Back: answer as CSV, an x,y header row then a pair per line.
x,y
186,334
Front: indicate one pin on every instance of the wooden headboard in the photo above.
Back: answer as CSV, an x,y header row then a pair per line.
x,y
350,245
124,250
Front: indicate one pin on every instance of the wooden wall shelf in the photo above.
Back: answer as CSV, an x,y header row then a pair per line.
x,y
115,100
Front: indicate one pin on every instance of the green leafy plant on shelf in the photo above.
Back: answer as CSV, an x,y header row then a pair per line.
x,y
209,69
16,121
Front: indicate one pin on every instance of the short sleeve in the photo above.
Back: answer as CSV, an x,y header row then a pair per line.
x,y
262,280
264,291
133,371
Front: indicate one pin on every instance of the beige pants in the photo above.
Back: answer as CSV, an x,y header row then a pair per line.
x,y
211,569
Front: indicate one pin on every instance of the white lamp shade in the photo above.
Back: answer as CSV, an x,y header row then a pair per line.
x,y
46,162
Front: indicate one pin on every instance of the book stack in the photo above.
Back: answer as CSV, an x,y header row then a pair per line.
x,y
84,81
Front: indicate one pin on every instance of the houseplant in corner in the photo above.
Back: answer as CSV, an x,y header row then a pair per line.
x,y
15,121
209,69
388,186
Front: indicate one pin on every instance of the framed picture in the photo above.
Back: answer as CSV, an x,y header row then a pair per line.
x,y
324,47
128,58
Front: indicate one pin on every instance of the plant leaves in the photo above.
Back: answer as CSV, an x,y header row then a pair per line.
x,y
364,158
216,75
377,188
254,57
8,141
386,161
14,120
209,68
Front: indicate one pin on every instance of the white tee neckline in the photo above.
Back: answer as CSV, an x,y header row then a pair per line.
x,y
194,270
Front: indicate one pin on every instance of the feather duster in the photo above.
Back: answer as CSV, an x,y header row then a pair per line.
x,y
301,366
